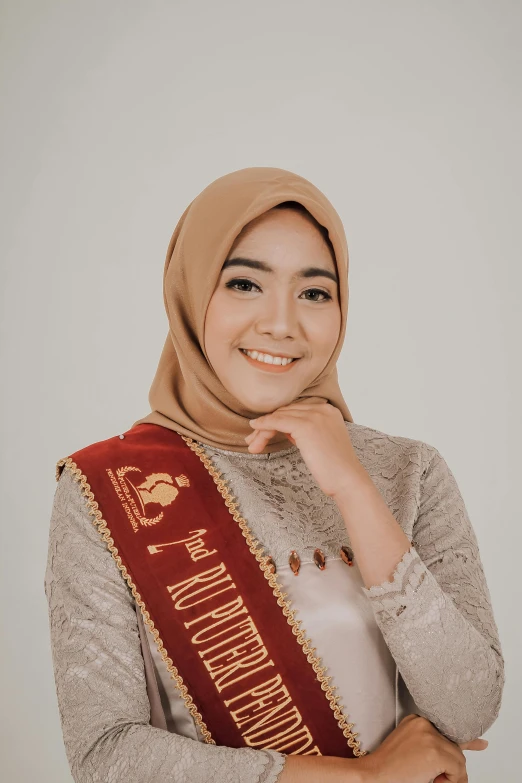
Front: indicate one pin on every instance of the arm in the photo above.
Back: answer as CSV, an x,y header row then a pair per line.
x,y
436,615
99,671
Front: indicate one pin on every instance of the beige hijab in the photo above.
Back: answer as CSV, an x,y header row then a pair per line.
x,y
186,394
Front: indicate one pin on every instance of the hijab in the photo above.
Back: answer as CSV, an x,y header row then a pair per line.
x,y
186,395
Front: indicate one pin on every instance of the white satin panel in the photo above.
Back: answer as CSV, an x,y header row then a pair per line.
x,y
339,620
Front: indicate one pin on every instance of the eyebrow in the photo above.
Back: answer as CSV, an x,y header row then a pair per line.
x,y
252,263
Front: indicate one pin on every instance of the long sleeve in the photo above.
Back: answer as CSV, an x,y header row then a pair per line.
x,y
99,671
436,615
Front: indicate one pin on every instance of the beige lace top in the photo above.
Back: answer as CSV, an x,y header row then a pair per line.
x,y
425,642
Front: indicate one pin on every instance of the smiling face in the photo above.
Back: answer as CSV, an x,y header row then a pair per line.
x,y
277,299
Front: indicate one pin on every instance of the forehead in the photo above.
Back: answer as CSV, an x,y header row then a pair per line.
x,y
283,217
279,230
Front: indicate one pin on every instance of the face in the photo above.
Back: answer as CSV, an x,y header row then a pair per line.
x,y
276,300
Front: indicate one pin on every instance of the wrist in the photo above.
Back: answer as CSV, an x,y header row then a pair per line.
x,y
366,770
355,479
327,769
354,770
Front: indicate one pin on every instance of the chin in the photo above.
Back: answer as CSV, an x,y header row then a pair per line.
x,y
261,408
263,404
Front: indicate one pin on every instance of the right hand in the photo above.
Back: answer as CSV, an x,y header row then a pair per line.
x,y
415,752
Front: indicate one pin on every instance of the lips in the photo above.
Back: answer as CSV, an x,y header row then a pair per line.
x,y
275,356
266,366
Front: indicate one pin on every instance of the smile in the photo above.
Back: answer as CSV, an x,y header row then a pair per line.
x,y
269,362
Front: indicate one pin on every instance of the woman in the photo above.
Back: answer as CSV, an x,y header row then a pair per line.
x,y
249,490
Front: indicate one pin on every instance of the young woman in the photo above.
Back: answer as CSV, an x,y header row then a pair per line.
x,y
247,585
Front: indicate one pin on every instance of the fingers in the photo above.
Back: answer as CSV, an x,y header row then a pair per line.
x,y
265,433
455,764
283,421
411,716
258,439
301,406
444,778
476,744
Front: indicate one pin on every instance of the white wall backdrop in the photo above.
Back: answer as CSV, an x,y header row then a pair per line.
x,y
115,114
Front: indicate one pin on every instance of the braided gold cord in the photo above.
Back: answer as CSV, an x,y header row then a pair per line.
x,y
103,529
315,661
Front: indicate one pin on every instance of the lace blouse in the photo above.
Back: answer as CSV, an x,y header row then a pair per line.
x,y
424,642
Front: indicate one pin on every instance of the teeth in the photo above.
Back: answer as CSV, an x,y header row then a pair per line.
x,y
267,358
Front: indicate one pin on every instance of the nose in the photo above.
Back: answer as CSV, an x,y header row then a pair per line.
x,y
279,316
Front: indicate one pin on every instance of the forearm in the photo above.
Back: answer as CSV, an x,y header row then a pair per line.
x,y
377,539
431,602
452,671
142,754
327,769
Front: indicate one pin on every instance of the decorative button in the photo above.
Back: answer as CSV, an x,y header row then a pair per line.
x,y
121,437
319,559
294,562
347,555
271,565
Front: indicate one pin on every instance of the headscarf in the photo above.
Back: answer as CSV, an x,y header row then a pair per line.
x,y
186,395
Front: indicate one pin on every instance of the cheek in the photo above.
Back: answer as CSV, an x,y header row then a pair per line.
x,y
223,323
323,331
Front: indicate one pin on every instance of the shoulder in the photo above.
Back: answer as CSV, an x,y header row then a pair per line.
x,y
90,450
365,438
73,531
76,541
396,458
139,440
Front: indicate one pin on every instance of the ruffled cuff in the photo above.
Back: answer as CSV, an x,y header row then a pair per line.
x,y
272,771
392,599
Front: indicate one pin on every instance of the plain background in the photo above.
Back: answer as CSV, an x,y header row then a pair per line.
x,y
116,114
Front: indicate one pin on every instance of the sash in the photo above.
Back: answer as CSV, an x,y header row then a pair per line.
x,y
241,661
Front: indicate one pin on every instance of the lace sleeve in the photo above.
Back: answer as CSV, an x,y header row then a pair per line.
x,y
436,615
99,671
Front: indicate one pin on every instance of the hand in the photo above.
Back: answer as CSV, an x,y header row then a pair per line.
x,y
319,432
415,752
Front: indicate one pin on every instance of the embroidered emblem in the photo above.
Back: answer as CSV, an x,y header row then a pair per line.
x,y
157,488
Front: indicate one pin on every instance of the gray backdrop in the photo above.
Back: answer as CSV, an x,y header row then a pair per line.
x,y
116,114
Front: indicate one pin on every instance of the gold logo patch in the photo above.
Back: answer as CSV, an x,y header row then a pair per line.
x,y
157,488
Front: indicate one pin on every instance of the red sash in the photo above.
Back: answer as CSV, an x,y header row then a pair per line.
x,y
229,639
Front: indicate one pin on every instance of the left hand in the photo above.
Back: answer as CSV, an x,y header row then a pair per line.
x,y
319,432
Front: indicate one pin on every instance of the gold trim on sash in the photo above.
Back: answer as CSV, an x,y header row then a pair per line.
x,y
300,633
105,533
263,560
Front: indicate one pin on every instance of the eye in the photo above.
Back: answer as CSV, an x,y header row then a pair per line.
x,y
243,285
241,281
324,294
